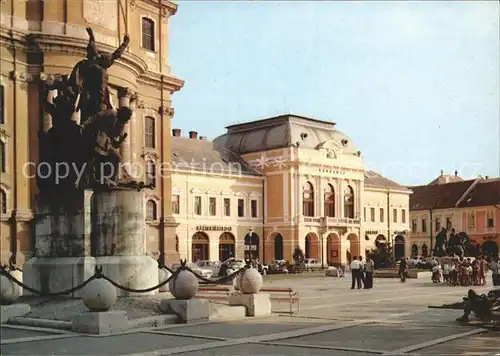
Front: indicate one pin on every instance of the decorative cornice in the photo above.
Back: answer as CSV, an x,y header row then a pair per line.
x,y
21,76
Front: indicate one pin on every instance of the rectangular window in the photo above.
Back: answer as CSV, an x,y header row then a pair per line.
x,y
448,223
2,157
227,207
241,208
175,204
424,225
414,225
212,206
438,224
472,221
382,215
403,216
490,219
372,214
148,34
364,214
394,215
2,103
149,132
253,207
197,205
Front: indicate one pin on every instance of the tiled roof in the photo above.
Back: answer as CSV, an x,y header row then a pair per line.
x,y
375,180
446,178
444,196
487,192
206,156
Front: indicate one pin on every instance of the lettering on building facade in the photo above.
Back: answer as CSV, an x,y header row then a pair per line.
x,y
371,232
213,228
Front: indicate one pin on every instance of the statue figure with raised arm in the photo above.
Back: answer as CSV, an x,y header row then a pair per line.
x,y
89,78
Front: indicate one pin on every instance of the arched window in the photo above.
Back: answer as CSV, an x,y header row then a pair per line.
x,y
349,202
425,251
148,34
308,199
151,213
3,202
149,132
414,250
329,201
151,173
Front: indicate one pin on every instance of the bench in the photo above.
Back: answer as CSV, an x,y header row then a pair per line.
x,y
222,293
291,298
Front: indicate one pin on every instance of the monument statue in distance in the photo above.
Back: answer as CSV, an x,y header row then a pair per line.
x,y
89,210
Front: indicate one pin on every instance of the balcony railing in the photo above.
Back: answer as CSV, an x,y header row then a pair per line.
x,y
327,221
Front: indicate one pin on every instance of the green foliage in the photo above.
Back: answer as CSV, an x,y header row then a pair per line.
x,y
298,255
383,256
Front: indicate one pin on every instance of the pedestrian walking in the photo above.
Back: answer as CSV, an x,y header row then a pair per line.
x,y
355,272
369,269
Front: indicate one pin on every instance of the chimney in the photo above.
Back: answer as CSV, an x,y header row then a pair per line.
x,y
193,135
442,172
176,132
203,138
456,173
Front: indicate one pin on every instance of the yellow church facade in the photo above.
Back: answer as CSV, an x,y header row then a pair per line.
x,y
40,41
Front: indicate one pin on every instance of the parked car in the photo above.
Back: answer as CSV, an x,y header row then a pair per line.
x,y
311,264
213,266
204,272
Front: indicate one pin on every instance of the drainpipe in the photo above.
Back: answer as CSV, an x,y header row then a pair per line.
x,y
430,231
389,221
263,223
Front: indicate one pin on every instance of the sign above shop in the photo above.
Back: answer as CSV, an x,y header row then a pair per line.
x,y
371,232
213,228
399,232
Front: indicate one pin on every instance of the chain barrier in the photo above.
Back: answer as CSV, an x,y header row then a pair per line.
x,y
4,270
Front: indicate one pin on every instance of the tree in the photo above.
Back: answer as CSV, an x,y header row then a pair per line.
x,y
382,256
298,255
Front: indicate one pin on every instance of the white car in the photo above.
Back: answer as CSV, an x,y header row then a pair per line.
x,y
204,272
213,266
312,264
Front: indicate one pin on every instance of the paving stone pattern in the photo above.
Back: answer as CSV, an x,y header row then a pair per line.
x,y
333,320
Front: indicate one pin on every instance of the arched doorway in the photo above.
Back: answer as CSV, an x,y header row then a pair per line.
x,y
354,248
226,246
311,246
333,248
490,249
251,246
200,247
425,251
399,247
414,250
278,247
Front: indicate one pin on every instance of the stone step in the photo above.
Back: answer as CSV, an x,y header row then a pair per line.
x,y
222,311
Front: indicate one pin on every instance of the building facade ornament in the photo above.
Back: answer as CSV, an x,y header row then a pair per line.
x,y
21,76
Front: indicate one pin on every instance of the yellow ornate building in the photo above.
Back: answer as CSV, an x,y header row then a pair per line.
x,y
42,40
269,186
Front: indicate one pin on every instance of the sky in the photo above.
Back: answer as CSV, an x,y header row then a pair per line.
x,y
415,85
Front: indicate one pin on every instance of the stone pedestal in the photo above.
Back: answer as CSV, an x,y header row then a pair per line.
x,y
13,311
55,274
62,243
100,322
119,233
188,311
255,304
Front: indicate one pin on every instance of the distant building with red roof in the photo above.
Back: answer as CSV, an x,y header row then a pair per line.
x,y
470,206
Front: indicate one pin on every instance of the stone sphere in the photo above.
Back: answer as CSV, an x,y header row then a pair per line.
x,y
99,295
163,275
236,282
250,281
184,285
9,291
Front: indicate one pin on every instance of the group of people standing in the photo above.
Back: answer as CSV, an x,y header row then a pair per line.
x,y
461,272
362,272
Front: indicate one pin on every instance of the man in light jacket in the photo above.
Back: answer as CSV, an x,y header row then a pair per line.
x,y
355,272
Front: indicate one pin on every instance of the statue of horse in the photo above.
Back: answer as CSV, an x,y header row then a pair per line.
x,y
461,246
